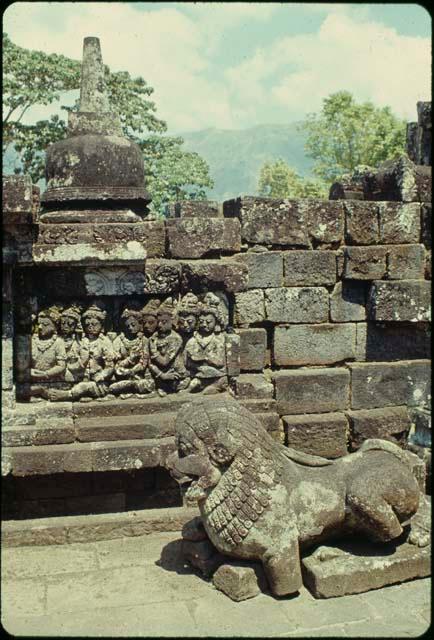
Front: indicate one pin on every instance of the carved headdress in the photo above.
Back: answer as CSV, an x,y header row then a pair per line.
x,y
73,311
151,307
53,313
132,309
167,307
189,304
96,310
212,304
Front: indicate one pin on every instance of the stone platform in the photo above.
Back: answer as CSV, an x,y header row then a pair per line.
x,y
139,587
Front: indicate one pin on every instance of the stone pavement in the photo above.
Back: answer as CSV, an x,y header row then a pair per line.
x,y
139,587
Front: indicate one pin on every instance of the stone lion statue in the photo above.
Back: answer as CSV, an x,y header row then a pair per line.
x,y
262,501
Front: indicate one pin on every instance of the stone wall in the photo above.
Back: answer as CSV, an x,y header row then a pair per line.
x,y
330,300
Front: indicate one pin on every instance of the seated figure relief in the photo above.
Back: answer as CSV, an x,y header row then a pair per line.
x,y
132,356
48,355
160,346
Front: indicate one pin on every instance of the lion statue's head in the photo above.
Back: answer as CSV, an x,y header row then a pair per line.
x,y
230,461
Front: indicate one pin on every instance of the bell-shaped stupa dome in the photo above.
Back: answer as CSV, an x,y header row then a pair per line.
x,y
95,166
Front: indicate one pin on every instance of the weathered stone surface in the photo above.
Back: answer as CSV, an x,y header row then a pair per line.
x,y
253,385
269,221
356,567
406,262
365,263
205,275
17,200
195,209
362,222
390,384
324,220
421,427
22,435
162,276
399,222
248,486
347,302
311,390
314,344
146,426
129,407
391,423
253,348
428,265
426,224
17,533
199,237
87,457
297,304
271,423
232,349
318,434
259,406
239,582
398,180
390,341
89,254
265,268
151,235
249,307
7,364
307,268
402,301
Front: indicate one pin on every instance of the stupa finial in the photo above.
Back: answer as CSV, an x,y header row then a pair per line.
x,y
93,91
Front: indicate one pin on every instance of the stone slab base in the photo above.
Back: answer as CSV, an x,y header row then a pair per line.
x,y
88,528
357,566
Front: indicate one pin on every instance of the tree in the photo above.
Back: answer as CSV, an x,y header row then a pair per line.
x,y
34,77
346,134
279,180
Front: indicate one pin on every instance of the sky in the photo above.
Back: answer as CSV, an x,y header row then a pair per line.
x,y
237,65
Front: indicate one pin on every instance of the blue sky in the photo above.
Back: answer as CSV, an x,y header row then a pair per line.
x,y
237,65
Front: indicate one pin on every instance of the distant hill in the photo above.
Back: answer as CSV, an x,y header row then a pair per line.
x,y
235,157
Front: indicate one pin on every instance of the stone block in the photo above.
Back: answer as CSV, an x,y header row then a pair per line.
x,y
297,304
162,277
199,237
17,200
426,224
311,390
271,422
421,427
151,235
390,384
195,209
387,423
239,582
7,365
319,434
232,347
129,427
324,220
89,254
428,265
269,221
253,385
399,222
401,301
249,307
364,263
306,268
390,341
265,268
205,275
314,344
202,555
361,222
253,348
398,180
348,302
406,262
356,567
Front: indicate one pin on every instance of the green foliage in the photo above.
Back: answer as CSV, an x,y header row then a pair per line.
x,y
34,77
346,134
279,180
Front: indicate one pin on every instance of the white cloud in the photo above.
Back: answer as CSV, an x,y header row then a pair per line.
x,y
176,50
372,61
